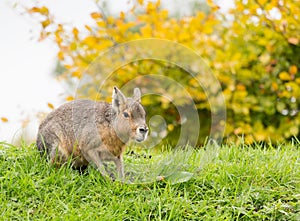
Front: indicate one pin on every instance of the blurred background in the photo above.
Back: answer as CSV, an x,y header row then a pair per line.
x,y
28,64
251,46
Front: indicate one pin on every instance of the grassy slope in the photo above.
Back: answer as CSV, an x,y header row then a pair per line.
x,y
241,183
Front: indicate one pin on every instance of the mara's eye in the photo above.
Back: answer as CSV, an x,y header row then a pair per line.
x,y
125,114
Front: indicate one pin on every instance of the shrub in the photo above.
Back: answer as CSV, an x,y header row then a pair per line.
x,y
253,51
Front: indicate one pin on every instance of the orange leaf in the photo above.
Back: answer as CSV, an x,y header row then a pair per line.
x,y
96,15
240,87
293,69
293,40
51,106
34,10
4,119
43,10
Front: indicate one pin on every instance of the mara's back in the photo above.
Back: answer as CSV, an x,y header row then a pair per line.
x,y
73,124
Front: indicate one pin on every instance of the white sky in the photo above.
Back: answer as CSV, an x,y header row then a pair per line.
x,y
26,64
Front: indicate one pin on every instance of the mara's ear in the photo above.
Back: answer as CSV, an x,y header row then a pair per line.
x,y
118,99
137,94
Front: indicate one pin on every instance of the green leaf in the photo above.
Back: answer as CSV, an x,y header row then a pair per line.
x,y
179,177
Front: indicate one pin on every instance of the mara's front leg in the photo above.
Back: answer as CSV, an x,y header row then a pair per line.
x,y
94,156
118,161
120,166
99,155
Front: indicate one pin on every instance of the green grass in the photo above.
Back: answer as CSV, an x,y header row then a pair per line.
x,y
229,183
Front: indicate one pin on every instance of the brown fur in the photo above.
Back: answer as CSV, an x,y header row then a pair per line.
x,y
86,131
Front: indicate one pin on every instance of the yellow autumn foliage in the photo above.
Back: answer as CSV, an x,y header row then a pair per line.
x,y
253,51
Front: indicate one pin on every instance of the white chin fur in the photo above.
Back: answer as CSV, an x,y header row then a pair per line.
x,y
141,137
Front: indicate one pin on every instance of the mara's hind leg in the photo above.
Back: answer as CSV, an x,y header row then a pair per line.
x,y
44,144
58,155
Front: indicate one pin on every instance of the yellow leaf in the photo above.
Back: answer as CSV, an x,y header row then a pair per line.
x,y
150,8
91,41
146,31
88,28
249,139
110,20
293,69
46,23
122,15
157,3
67,66
60,55
69,98
210,2
207,29
73,46
4,119
44,10
262,2
75,33
76,74
58,38
50,105
170,127
274,86
213,5
101,23
193,82
140,2
60,28
284,76
184,36
103,44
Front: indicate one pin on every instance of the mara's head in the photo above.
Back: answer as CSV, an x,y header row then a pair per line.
x,y
130,118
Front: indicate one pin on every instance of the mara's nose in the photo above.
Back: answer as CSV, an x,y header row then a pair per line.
x,y
143,129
